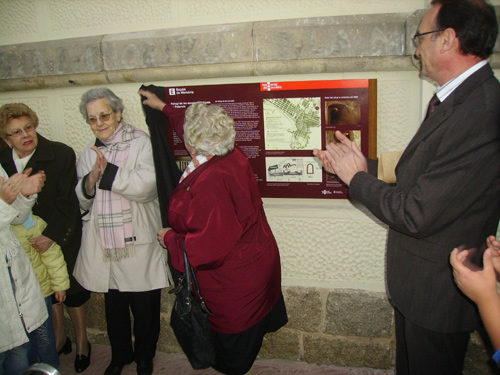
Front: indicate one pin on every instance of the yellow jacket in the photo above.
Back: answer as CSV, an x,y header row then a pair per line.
x,y
50,267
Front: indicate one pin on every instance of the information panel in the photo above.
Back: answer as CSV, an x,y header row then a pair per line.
x,y
278,124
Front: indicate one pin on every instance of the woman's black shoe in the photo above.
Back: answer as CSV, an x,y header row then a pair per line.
x,y
66,349
82,361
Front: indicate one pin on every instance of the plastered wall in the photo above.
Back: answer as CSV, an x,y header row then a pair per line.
x,y
323,243
36,20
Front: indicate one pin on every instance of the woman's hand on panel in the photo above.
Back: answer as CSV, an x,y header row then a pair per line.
x,y
152,100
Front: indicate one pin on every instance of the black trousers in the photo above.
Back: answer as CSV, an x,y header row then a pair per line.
x,y
420,351
145,307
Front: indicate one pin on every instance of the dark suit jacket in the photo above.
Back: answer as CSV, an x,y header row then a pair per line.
x,y
57,203
447,194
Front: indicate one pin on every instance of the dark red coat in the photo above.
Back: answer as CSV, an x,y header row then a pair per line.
x,y
218,211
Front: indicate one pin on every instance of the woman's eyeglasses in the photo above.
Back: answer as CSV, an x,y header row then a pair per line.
x,y
103,117
18,132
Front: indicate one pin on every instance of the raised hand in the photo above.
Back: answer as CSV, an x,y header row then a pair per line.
x,y
97,171
344,159
11,187
494,245
33,184
322,155
152,100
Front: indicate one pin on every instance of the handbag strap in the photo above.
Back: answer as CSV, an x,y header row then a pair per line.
x,y
188,271
191,278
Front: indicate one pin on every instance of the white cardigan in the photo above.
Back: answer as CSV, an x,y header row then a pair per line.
x,y
27,304
147,269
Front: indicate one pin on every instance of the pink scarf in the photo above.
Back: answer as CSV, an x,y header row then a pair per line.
x,y
114,216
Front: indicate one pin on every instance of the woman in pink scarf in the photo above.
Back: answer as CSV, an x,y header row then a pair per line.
x,y
120,255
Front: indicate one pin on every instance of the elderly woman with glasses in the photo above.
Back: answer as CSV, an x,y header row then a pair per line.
x,y
120,255
57,205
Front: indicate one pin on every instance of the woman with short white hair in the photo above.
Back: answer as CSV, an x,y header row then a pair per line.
x,y
216,211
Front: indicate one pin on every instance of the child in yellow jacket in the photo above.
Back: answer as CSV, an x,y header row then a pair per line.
x,y
52,274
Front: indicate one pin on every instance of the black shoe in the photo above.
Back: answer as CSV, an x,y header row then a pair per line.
x,y
145,368
82,361
114,369
66,349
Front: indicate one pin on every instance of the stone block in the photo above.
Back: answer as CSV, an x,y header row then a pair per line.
x,y
411,26
351,312
213,44
348,352
330,37
97,337
51,58
304,306
167,342
283,344
95,315
167,301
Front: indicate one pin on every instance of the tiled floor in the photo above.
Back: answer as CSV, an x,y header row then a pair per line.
x,y
177,364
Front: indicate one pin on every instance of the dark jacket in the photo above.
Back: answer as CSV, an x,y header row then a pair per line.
x,y
57,203
447,194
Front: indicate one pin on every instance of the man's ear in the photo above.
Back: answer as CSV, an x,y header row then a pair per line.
x,y
449,41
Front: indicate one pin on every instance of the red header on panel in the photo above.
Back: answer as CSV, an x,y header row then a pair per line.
x,y
314,85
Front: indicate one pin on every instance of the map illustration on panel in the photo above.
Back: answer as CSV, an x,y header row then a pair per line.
x,y
292,123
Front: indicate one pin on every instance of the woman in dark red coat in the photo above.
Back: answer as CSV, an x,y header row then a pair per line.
x,y
216,210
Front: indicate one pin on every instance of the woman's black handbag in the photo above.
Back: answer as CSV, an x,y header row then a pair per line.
x,y
189,321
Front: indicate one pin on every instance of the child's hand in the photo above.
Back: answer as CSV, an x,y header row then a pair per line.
x,y
60,296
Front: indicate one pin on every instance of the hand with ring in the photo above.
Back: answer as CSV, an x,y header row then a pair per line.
x,y
10,188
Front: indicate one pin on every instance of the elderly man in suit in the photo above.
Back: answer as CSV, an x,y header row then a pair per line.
x,y
447,191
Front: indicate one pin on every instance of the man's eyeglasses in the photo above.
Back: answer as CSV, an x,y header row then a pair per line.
x,y
18,132
416,37
103,117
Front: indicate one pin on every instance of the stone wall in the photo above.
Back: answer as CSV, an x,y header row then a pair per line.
x,y
357,43
341,327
